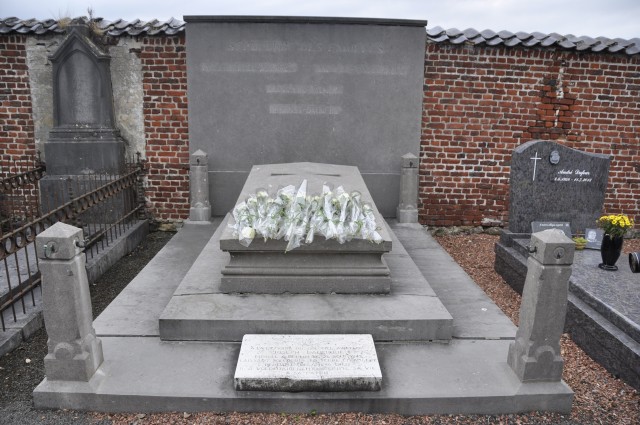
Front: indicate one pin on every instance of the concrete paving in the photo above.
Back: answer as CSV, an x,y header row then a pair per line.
x,y
141,373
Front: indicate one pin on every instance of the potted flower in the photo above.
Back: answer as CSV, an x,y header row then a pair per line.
x,y
580,242
614,226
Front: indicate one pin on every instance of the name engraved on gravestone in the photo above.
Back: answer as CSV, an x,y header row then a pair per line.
x,y
539,226
304,109
303,89
249,67
550,182
283,46
307,362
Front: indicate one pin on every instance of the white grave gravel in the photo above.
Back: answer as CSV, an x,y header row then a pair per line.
x,y
308,363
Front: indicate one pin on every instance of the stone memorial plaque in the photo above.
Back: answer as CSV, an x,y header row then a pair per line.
x,y
594,238
539,226
286,89
308,363
551,182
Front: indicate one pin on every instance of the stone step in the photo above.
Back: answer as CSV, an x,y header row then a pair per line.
x,y
200,311
462,377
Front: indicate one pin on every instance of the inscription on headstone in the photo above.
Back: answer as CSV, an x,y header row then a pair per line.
x,y
539,226
281,89
308,363
553,183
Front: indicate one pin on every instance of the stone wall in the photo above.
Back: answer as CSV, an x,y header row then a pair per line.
x,y
479,104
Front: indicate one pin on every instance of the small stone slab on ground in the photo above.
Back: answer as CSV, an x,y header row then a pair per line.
x,y
308,363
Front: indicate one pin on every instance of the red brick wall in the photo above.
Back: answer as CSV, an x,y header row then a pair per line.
x,y
166,127
16,119
480,103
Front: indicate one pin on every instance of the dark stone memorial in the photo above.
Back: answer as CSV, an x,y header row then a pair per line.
x,y
551,183
84,140
345,91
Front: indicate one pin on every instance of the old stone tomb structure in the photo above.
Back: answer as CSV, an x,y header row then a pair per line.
x,y
324,266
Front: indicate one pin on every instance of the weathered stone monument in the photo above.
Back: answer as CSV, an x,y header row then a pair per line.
x,y
345,91
74,351
84,140
535,354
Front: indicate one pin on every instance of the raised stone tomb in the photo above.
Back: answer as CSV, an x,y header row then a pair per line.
x,y
325,266
324,287
308,363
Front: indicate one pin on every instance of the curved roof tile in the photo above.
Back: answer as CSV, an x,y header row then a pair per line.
x,y
509,39
436,34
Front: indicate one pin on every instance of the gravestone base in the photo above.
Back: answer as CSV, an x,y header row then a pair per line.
x,y
296,363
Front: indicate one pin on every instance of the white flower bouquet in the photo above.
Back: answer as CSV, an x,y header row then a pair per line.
x,y
297,218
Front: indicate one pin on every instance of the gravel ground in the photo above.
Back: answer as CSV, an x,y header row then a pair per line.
x,y
599,397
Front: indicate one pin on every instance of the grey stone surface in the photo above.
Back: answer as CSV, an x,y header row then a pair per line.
x,y
199,186
84,139
335,362
535,354
199,310
460,377
475,315
407,211
74,351
570,190
304,85
468,375
602,317
324,266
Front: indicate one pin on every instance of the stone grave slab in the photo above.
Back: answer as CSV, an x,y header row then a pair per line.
x,y
307,363
324,266
552,182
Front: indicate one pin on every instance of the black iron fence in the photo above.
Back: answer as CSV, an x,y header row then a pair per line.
x,y
104,206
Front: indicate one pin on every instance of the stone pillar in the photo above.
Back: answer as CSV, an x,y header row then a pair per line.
x,y
199,182
535,354
74,351
407,211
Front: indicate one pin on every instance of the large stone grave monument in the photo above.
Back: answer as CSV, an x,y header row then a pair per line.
x,y
322,287
549,184
344,91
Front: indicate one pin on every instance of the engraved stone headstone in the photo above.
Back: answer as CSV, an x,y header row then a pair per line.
x,y
308,363
551,182
287,89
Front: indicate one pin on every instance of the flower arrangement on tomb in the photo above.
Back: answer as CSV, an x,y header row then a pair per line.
x,y
297,218
615,224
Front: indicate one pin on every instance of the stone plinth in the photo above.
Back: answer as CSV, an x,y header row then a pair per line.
x,y
324,266
535,354
308,363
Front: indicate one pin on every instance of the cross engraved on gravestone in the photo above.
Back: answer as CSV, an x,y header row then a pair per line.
x,y
535,163
571,190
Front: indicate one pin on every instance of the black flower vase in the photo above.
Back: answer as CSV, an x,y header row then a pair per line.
x,y
610,252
